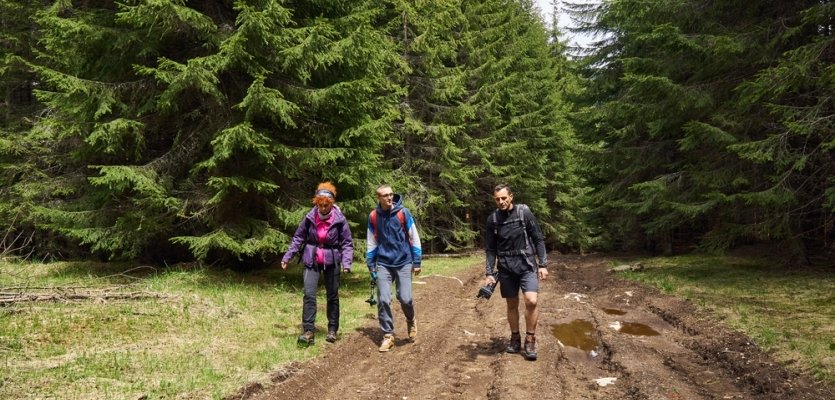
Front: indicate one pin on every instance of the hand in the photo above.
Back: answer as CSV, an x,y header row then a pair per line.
x,y
373,276
416,271
346,270
543,273
489,280
284,265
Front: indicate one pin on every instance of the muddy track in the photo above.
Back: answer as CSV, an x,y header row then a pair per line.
x,y
459,351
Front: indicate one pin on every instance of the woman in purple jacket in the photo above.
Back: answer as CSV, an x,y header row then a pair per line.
x,y
324,241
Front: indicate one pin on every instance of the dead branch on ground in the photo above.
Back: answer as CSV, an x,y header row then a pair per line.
x,y
56,294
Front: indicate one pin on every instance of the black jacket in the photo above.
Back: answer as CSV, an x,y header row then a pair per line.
x,y
504,240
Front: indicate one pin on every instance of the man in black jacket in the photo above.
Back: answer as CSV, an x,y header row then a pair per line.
x,y
514,241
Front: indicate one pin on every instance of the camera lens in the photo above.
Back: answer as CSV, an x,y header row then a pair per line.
x,y
486,291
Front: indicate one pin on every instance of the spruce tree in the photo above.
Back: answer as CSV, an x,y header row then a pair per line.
x,y
792,140
569,194
428,157
676,140
520,135
670,67
23,158
207,125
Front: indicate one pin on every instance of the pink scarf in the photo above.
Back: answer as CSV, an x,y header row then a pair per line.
x,y
322,226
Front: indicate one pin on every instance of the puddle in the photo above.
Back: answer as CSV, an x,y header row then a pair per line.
x,y
634,328
577,333
613,311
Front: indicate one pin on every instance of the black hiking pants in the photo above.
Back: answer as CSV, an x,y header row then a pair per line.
x,y
311,284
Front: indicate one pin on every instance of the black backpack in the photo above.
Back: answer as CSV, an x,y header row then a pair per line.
x,y
529,249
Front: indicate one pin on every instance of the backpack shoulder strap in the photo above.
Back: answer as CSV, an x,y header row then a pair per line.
x,y
521,215
402,217
373,219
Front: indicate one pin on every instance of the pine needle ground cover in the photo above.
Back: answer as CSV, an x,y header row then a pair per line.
x,y
122,331
789,312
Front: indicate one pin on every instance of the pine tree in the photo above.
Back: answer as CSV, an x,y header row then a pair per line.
x,y
21,157
428,157
569,194
669,72
520,133
675,147
206,125
173,129
312,111
792,137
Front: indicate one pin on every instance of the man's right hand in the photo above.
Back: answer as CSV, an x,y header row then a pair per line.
x,y
373,277
489,280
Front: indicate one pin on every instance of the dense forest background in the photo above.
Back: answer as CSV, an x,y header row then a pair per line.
x,y
172,130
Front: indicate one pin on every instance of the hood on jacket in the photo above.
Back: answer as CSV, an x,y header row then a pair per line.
x,y
396,204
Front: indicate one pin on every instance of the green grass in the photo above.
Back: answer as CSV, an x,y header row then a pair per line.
x,y
790,313
213,332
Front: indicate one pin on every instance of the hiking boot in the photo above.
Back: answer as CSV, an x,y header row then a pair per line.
x,y
331,336
515,343
388,343
412,330
307,338
530,347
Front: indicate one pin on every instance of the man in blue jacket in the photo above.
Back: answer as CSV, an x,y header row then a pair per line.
x,y
393,254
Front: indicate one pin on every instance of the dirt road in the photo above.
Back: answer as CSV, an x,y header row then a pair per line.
x,y
596,338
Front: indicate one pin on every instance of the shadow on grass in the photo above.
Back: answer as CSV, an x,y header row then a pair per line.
x,y
199,274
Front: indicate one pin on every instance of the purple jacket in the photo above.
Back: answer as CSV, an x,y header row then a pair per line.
x,y
339,245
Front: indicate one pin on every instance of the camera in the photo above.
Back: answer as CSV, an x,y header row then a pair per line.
x,y
486,291
371,300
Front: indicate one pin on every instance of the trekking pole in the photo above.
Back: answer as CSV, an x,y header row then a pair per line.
x,y
371,301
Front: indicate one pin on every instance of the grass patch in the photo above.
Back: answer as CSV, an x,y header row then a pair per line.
x,y
790,313
213,331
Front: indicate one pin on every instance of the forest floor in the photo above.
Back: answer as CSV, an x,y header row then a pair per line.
x,y
459,351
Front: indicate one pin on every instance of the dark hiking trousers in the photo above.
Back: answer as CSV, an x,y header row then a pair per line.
x,y
311,283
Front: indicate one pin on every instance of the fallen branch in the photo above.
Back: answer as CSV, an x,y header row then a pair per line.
x,y
18,289
13,298
443,276
455,255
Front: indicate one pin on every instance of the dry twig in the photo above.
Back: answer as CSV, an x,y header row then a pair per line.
x,y
8,298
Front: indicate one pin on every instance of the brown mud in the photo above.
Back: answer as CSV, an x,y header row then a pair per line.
x,y
459,350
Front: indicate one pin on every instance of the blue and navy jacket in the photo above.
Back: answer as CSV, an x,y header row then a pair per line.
x,y
391,247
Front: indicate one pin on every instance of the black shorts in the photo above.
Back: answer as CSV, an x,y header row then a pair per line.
x,y
511,281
